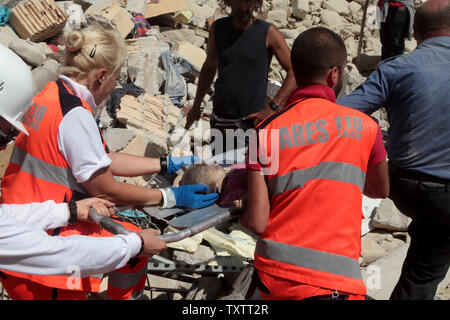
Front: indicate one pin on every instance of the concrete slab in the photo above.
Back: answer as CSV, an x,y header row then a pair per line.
x,y
382,275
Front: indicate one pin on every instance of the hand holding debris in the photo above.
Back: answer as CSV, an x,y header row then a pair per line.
x,y
152,245
101,206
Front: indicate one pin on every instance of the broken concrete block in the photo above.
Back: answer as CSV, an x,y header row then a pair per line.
x,y
152,146
176,35
32,53
138,6
232,244
137,181
280,4
172,113
111,10
410,45
164,6
7,34
37,20
44,74
354,7
388,217
75,15
332,20
370,250
118,138
143,63
105,119
190,244
300,8
278,18
194,55
203,255
145,113
339,6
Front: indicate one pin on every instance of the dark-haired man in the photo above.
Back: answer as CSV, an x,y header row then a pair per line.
x,y
315,160
414,89
241,48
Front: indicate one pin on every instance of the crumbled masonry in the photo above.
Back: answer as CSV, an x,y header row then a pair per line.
x,y
152,123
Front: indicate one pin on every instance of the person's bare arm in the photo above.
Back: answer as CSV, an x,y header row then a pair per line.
x,y
127,165
255,217
278,46
282,52
205,80
377,181
103,185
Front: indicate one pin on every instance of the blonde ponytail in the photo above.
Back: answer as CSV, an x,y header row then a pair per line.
x,y
93,48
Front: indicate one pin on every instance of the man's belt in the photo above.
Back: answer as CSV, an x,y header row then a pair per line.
x,y
229,123
415,175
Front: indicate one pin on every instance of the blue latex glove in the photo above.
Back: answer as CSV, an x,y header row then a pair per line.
x,y
175,163
193,196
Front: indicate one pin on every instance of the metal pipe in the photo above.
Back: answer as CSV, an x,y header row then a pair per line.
x,y
107,223
116,228
193,230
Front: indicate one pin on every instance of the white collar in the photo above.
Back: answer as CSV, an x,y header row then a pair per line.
x,y
80,91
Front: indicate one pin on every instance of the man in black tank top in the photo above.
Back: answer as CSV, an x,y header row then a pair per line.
x,y
240,48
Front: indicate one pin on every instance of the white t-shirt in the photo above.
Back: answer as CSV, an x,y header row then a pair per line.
x,y
26,248
79,139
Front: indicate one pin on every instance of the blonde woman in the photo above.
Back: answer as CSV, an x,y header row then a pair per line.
x,y
64,159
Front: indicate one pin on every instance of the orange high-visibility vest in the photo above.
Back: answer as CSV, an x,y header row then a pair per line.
x,y
316,155
38,172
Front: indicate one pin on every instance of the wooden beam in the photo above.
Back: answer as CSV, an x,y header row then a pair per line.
x,y
363,24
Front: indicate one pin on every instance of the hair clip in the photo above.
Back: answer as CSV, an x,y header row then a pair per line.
x,y
94,49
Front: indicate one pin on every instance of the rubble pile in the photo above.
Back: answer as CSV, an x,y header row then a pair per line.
x,y
164,64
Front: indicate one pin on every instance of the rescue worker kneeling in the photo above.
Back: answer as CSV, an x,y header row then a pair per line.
x,y
306,202
65,158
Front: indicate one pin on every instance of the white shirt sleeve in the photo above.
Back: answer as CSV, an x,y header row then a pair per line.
x,y
80,143
26,248
45,215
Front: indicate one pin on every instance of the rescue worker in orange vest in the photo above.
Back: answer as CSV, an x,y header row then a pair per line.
x,y
23,245
308,166
65,159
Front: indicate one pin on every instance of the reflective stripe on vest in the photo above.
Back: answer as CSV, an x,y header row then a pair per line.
x,y
331,170
122,280
44,171
308,258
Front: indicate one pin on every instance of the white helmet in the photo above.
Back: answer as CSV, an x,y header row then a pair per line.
x,y
16,88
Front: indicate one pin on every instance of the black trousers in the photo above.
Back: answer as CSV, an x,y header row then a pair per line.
x,y
393,32
427,201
